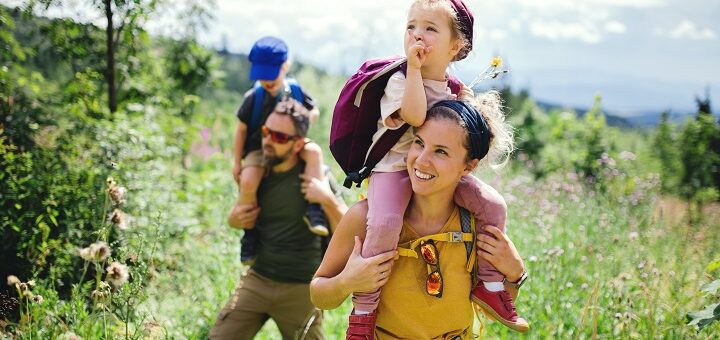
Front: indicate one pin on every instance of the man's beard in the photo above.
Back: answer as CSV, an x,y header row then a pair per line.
x,y
275,159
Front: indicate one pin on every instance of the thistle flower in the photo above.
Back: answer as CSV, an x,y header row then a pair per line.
x,y
633,235
12,280
28,294
38,299
110,181
117,274
98,251
119,219
117,194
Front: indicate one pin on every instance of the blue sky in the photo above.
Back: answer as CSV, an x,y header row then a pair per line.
x,y
639,55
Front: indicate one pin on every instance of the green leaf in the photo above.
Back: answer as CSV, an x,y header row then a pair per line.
x,y
712,287
704,317
713,266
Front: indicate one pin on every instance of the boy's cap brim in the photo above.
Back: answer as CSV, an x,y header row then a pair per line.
x,y
264,71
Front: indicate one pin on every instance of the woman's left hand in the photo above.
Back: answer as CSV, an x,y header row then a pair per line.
x,y
500,252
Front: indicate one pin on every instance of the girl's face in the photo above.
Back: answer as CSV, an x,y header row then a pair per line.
x,y
433,27
437,157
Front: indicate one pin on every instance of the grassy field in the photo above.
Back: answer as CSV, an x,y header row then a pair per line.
x,y
607,265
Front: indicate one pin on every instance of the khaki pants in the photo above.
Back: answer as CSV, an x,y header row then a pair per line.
x,y
258,298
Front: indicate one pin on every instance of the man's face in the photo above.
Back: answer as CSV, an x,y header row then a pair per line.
x,y
274,152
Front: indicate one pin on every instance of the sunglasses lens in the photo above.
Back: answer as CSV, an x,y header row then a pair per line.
x,y
429,253
434,283
277,137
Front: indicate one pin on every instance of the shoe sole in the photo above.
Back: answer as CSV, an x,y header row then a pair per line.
x,y
317,230
522,328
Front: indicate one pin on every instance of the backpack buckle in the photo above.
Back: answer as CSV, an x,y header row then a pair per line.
x,y
455,236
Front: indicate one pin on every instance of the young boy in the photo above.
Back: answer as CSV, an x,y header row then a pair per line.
x,y
269,65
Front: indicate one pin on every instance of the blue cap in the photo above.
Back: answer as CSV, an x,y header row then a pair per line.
x,y
266,57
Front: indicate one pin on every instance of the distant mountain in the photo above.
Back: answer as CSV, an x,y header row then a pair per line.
x,y
610,119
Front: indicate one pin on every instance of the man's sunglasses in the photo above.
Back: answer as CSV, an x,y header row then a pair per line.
x,y
434,281
277,136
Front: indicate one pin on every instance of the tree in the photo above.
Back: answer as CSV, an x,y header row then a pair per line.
x,y
124,21
666,150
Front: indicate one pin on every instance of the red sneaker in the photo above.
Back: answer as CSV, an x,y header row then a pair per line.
x,y
500,305
361,327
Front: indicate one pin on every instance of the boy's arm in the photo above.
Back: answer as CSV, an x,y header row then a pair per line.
x,y
240,135
414,104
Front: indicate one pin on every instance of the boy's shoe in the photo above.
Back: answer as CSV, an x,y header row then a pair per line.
x,y
500,305
316,221
248,246
361,327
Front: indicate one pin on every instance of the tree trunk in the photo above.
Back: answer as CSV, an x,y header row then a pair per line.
x,y
110,72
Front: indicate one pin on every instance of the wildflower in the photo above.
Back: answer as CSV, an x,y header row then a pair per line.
x,y
496,62
69,336
31,283
633,235
583,258
117,273
28,294
618,315
86,254
101,251
22,286
38,299
119,219
12,280
104,285
532,258
628,156
569,285
110,181
117,194
98,295
584,286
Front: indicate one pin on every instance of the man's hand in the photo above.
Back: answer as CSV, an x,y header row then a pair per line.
x,y
243,216
315,190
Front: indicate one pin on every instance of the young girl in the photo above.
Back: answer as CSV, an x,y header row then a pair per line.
x,y
438,32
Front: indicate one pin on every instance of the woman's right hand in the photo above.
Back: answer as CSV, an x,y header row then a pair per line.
x,y
362,275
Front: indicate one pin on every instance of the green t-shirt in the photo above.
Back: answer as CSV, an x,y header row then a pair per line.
x,y
287,250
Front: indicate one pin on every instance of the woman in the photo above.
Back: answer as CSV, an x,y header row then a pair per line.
x,y
425,299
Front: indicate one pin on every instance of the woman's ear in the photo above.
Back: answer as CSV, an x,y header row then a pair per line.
x,y
471,166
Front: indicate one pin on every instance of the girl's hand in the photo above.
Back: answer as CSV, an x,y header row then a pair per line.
x,y
416,52
362,275
500,252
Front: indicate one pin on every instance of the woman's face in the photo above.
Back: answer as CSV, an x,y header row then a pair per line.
x,y
437,157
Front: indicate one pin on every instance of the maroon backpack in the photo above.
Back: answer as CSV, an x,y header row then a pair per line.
x,y
356,115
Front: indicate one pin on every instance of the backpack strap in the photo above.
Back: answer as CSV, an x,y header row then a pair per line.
x,y
388,139
258,100
296,91
467,235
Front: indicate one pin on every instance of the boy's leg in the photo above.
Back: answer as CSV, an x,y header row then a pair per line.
x,y
312,155
250,179
489,208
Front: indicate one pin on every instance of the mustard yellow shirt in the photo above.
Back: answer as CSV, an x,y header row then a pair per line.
x,y
406,311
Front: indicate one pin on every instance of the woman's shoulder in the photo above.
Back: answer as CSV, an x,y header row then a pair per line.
x,y
355,219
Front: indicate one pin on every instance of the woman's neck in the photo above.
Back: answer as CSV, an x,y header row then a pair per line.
x,y
433,72
428,214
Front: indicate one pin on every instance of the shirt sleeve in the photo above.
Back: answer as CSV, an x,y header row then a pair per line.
x,y
391,101
244,113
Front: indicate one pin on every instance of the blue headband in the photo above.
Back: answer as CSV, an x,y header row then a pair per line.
x,y
477,128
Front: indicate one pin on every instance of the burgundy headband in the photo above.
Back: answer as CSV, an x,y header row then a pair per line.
x,y
466,20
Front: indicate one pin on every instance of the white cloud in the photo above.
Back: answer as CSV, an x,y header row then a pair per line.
x,y
556,30
615,27
497,35
688,30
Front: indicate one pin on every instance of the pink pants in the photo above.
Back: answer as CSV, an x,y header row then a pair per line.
x,y
388,197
